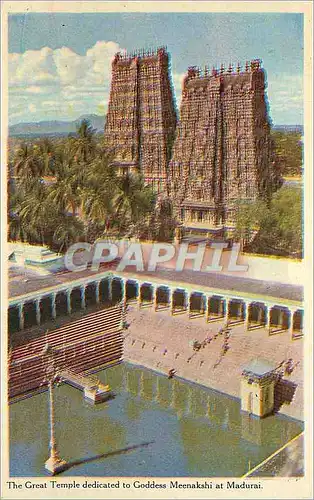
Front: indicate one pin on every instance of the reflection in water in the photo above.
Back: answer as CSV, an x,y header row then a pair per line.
x,y
191,431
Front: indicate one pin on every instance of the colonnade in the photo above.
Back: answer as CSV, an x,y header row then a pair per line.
x,y
212,306
62,299
232,310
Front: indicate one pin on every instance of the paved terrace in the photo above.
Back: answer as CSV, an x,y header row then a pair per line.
x,y
221,282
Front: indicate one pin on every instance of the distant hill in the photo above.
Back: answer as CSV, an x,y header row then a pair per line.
x,y
289,128
55,127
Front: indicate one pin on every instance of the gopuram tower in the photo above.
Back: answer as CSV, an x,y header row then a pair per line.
x,y
223,150
141,118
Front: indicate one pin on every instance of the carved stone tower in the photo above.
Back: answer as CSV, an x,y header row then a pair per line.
x,y
141,118
222,150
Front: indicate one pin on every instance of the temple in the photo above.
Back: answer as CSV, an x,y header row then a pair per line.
x,y
141,119
223,151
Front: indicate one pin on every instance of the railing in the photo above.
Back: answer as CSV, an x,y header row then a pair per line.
x,y
89,381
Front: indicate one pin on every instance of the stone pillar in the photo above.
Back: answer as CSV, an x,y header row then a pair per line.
x,y
226,315
138,294
188,302
69,308
268,314
206,307
21,315
54,464
222,308
37,305
155,298
53,306
171,301
97,285
291,311
124,297
82,291
225,422
243,308
246,313
110,289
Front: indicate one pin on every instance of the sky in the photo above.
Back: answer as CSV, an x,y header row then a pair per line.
x,y
60,64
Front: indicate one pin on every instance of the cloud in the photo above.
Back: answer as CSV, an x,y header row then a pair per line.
x,y
61,84
32,108
50,77
285,96
34,90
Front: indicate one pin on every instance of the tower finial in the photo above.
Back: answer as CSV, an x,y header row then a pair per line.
x,y
238,68
255,64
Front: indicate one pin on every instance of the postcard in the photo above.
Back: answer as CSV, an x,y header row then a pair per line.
x,y
157,332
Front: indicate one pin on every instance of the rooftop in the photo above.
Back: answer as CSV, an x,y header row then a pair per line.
x,y
259,367
22,281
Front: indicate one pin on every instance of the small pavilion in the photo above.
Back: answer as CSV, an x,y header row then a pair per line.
x,y
257,387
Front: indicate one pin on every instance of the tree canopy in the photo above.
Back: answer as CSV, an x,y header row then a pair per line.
x,y
288,151
65,190
275,228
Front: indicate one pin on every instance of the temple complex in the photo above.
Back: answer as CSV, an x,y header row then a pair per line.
x,y
141,119
221,150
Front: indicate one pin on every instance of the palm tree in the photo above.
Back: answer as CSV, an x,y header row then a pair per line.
x,y
18,224
83,144
68,230
26,163
132,201
37,213
46,152
98,191
64,191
